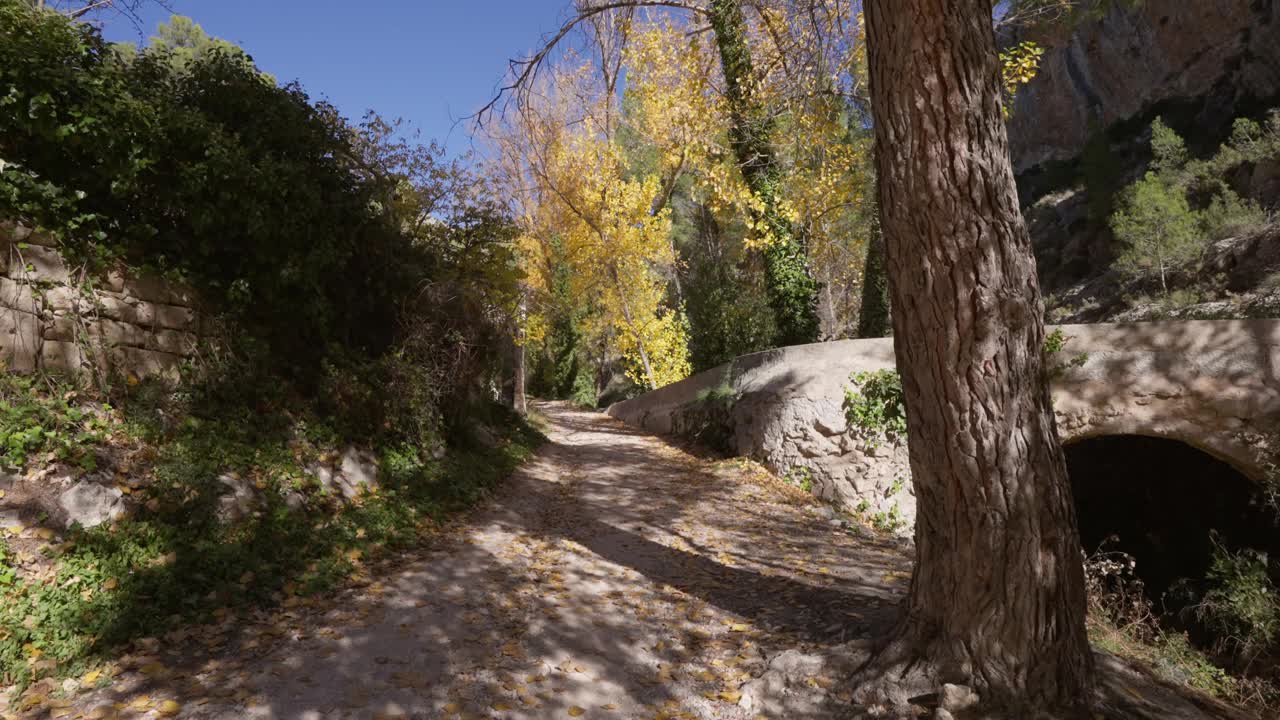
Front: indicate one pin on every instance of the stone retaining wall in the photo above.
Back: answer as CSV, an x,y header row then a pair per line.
x,y
54,318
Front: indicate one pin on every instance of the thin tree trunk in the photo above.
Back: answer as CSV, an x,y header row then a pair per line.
x,y
873,313
793,294
631,325
998,591
519,402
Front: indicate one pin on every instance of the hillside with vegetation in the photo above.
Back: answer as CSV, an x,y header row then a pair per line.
x,y
361,293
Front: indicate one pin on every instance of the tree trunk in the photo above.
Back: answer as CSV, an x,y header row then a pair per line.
x,y
873,313
793,294
519,402
998,591
631,326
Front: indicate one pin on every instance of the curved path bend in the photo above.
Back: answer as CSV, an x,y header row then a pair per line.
x,y
614,576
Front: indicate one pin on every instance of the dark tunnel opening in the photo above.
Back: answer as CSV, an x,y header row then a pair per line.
x,y
1163,501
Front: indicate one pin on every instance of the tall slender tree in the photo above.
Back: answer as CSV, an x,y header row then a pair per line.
x,y
793,293
998,591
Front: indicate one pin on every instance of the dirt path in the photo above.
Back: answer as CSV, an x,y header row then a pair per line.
x,y
613,577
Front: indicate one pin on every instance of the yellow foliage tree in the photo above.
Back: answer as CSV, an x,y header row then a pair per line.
x,y
577,205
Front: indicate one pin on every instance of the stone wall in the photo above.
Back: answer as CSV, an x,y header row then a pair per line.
x,y
55,318
1212,384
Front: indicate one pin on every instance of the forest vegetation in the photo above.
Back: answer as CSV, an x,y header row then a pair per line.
x,y
658,189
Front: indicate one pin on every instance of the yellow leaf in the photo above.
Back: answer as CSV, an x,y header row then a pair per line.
x,y
576,711
169,708
111,584
91,677
608,706
730,696
500,706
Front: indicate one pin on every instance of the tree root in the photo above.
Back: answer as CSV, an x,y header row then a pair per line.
x,y
910,676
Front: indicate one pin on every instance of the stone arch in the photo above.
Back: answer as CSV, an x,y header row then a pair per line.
x,y
1229,448
1165,499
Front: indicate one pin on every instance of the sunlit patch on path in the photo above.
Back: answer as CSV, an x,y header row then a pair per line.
x,y
615,576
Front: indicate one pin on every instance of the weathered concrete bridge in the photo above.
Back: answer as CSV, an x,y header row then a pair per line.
x,y
1213,385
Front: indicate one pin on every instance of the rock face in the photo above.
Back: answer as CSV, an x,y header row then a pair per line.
x,y
1214,385
1210,58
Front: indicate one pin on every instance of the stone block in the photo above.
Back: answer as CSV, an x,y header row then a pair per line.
x,y
146,363
238,499
38,263
354,472
11,231
147,287
59,356
183,295
172,341
19,340
116,308
360,468
62,328
40,238
118,334
17,296
114,281
64,298
170,317
90,504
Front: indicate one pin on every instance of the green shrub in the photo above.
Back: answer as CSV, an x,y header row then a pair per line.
x,y
1054,343
1228,215
1241,606
49,426
276,208
174,562
875,404
801,477
1157,229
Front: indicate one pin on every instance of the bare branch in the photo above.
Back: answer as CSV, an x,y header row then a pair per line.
x,y
524,70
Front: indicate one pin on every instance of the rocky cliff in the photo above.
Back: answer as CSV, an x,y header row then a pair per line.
x,y
1204,60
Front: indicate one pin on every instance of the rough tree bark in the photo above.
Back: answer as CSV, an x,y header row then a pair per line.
x,y
793,293
997,597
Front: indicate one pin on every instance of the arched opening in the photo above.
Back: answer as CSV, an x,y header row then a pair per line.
x,y
1163,500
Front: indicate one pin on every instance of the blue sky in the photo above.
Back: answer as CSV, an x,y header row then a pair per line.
x,y
428,61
